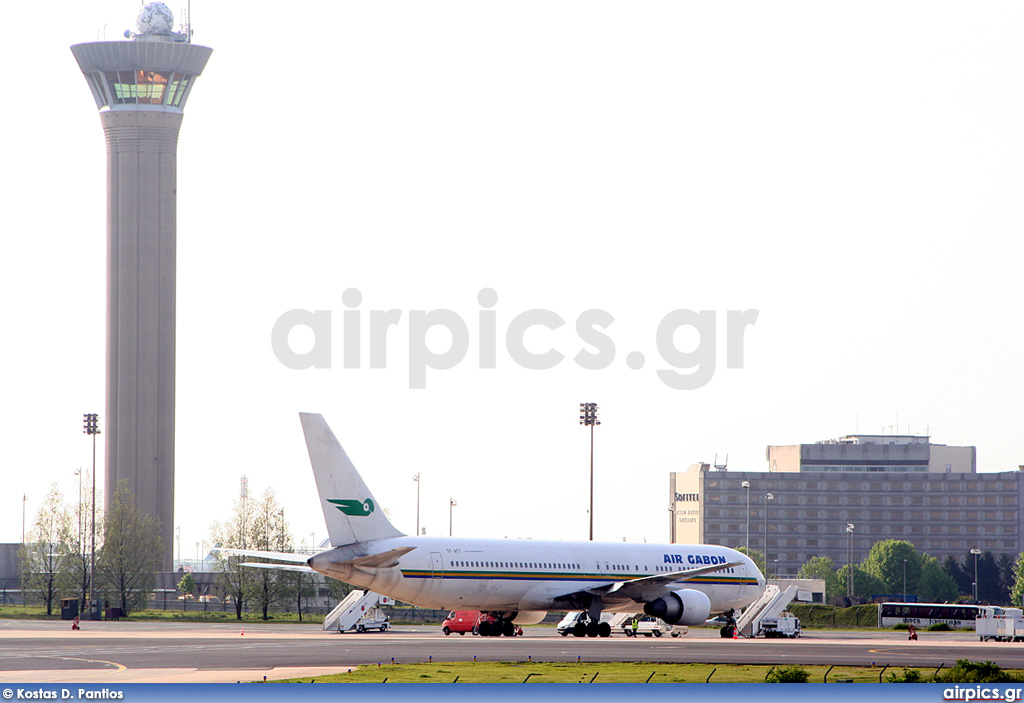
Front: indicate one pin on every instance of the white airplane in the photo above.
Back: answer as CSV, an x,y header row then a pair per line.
x,y
515,581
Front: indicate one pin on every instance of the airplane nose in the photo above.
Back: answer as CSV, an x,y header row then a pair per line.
x,y
752,569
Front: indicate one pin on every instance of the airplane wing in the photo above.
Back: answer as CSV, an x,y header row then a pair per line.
x,y
633,589
290,557
278,567
298,562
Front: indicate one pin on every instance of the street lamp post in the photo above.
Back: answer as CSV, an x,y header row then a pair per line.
x,y
975,551
80,551
78,473
416,478
451,504
767,497
588,417
904,580
849,559
91,426
244,496
746,484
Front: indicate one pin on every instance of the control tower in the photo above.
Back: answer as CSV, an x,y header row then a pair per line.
x,y
140,87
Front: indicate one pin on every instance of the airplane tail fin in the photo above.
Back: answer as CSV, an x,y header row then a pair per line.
x,y
351,512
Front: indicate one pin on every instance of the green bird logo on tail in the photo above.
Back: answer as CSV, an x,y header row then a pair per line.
x,y
353,507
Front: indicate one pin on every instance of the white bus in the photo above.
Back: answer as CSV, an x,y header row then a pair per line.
x,y
921,615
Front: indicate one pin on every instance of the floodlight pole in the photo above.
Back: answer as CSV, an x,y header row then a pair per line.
x,y
588,417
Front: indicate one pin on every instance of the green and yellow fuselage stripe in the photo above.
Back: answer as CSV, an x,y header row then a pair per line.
x,y
483,574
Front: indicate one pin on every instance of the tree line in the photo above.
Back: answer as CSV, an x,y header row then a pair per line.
x,y
56,559
57,556
895,567
259,524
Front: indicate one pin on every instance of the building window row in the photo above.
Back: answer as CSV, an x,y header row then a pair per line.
x,y
873,468
869,497
864,531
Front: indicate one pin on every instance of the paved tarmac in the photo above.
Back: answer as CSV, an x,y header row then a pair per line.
x,y
125,652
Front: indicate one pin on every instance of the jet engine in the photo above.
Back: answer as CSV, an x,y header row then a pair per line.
x,y
685,607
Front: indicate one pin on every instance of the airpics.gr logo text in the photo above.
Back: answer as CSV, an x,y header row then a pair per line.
x,y
532,340
355,508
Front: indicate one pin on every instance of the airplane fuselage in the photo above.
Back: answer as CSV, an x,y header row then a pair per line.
x,y
533,575
512,580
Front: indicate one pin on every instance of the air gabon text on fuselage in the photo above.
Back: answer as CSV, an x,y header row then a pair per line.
x,y
694,559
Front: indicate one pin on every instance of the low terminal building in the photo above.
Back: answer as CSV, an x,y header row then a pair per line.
x,y
837,498
10,574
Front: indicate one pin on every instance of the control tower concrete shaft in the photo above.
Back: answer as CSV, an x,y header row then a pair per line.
x,y
140,87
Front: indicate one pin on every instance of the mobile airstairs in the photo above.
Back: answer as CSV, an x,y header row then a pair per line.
x,y
763,616
359,611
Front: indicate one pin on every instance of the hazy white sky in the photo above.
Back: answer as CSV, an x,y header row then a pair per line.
x,y
852,171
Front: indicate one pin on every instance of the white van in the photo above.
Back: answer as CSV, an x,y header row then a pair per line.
x,y
646,625
564,627
650,626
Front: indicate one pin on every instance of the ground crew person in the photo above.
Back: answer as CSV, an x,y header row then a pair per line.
x,y
636,626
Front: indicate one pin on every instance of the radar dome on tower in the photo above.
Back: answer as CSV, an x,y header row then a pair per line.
x,y
155,18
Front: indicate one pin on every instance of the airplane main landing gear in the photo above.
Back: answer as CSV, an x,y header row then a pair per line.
x,y
592,629
497,628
